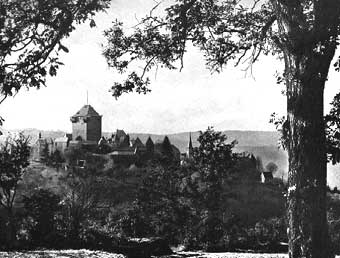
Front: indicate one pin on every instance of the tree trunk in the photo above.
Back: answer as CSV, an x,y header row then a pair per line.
x,y
306,74
11,229
308,43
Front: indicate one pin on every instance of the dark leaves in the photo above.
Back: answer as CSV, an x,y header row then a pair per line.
x,y
92,23
214,153
223,30
31,32
53,70
332,122
281,126
14,159
337,64
134,82
63,48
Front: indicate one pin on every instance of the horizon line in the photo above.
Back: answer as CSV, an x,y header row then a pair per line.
x,y
3,129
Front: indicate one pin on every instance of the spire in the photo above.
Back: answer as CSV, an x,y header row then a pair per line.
x,y
190,142
190,148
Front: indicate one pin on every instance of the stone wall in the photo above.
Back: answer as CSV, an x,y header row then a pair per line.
x,y
94,128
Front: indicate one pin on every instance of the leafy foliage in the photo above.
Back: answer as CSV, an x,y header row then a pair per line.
x,y
200,204
99,209
271,167
14,159
41,210
222,30
214,161
332,122
305,34
332,129
82,191
56,159
31,34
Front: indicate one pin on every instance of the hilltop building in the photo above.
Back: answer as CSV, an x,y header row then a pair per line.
x,y
87,135
87,125
267,177
42,147
62,143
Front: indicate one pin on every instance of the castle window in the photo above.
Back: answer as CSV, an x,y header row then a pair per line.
x,y
81,163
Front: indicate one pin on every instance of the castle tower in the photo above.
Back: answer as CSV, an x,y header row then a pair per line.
x,y
86,125
190,148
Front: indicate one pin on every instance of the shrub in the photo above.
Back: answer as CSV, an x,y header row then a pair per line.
x,y
41,217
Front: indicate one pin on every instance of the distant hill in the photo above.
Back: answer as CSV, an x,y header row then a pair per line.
x,y
244,138
263,144
33,134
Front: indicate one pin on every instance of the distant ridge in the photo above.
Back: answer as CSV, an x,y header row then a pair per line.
x,y
244,138
263,144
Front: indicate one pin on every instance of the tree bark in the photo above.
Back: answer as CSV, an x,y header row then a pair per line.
x,y
306,74
308,45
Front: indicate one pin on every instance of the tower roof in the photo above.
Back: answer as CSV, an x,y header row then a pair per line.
x,y
86,110
149,142
137,142
120,135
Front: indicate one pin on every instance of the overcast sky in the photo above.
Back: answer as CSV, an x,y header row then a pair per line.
x,y
187,101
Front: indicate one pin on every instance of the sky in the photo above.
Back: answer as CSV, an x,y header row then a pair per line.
x,y
190,100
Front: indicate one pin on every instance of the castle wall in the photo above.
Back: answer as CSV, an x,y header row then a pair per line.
x,y
79,128
91,130
94,128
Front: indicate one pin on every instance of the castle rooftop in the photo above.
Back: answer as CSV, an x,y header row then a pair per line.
x,y
86,111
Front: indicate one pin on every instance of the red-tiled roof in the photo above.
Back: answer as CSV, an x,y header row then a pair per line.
x,y
86,110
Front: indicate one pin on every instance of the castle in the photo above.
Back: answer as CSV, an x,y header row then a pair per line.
x,y
87,134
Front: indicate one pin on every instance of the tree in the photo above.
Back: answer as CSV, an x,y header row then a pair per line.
x,y
159,202
31,34
332,122
42,207
213,160
271,167
14,159
56,159
74,154
304,34
45,155
83,189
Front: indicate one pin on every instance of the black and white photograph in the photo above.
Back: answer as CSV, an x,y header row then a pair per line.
x,y
169,128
